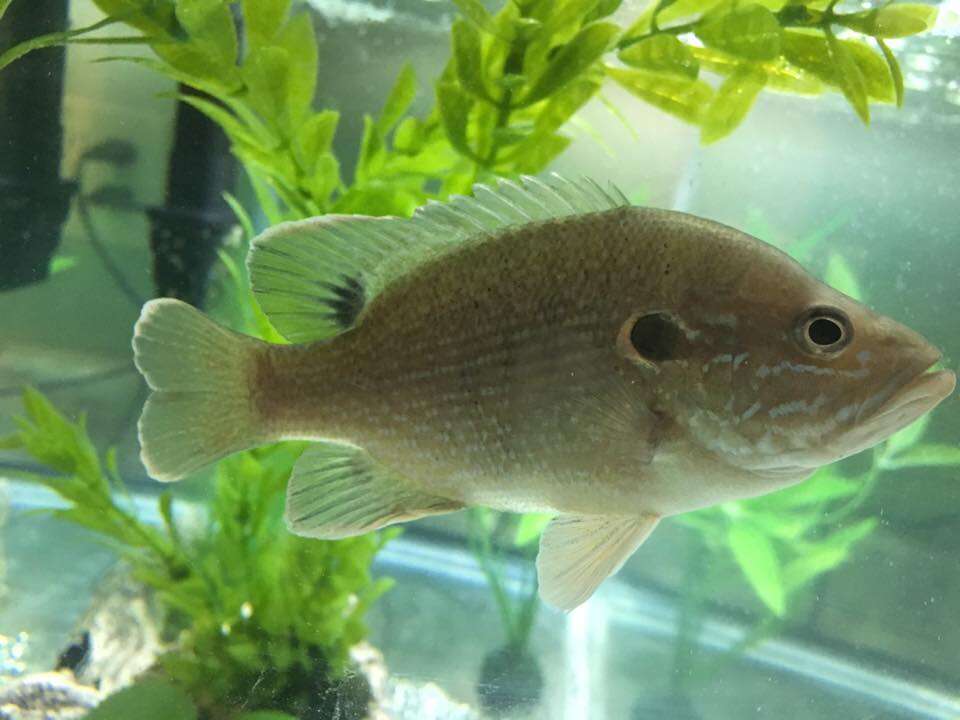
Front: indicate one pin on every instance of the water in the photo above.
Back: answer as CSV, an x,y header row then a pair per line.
x,y
679,632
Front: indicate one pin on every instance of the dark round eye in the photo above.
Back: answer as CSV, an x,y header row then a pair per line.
x,y
824,331
655,337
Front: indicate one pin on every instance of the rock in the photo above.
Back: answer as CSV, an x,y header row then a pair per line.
x,y
46,696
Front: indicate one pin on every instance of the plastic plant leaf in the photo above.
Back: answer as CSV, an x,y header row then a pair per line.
x,y
455,107
662,53
895,72
731,103
146,700
849,77
562,106
475,11
468,56
298,39
530,527
750,32
906,438
781,75
16,52
682,97
839,275
211,29
898,20
399,100
811,564
759,563
262,19
812,52
572,59
4,5
315,136
825,486
927,455
62,263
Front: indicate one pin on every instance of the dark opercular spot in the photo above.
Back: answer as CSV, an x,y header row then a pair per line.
x,y
824,331
348,300
655,337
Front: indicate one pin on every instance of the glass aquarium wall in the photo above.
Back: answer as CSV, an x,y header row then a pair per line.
x,y
144,146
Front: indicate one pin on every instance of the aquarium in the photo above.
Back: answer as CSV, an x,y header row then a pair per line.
x,y
147,145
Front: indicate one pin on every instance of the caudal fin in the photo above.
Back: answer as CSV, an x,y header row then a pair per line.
x,y
200,374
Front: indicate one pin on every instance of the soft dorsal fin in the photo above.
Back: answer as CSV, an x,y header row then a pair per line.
x,y
314,277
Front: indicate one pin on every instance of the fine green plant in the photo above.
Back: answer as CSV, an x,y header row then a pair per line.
x,y
254,615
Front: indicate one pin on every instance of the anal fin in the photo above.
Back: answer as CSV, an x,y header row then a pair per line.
x,y
578,552
338,490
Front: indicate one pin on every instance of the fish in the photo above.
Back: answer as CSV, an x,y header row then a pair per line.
x,y
541,345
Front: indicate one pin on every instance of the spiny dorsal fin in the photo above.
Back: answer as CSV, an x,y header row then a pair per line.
x,y
314,277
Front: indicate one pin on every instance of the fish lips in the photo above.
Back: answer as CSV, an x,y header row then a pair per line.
x,y
907,397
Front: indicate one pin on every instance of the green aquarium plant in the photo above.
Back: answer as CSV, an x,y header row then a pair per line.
x,y
510,676
254,616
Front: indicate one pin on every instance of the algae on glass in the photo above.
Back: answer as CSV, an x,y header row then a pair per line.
x,y
502,105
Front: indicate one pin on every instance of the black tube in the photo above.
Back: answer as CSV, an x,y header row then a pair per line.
x,y
187,231
34,201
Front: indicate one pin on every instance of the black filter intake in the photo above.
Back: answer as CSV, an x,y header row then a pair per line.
x,y
34,201
187,231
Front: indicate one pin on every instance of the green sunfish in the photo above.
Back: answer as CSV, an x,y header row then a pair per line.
x,y
540,346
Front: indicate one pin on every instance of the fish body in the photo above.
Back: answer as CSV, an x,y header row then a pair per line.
x,y
541,347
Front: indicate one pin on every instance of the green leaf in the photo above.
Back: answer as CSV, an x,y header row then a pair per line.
x,y
759,563
476,13
262,19
662,53
907,437
812,564
840,276
62,263
781,75
530,527
849,77
299,40
928,455
811,52
731,103
564,104
371,150
455,107
682,97
4,4
897,20
894,67
468,56
572,60
315,136
399,100
211,29
147,700
231,125
751,32
49,40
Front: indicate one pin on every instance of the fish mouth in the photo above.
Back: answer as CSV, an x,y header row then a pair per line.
x,y
903,403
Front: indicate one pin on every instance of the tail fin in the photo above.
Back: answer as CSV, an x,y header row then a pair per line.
x,y
200,374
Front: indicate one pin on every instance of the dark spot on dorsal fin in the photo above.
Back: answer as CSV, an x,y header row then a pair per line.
x,y
347,300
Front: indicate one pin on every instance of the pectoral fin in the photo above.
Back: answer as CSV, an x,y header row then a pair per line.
x,y
578,552
339,490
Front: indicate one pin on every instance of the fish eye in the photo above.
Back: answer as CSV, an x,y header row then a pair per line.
x,y
654,337
824,331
